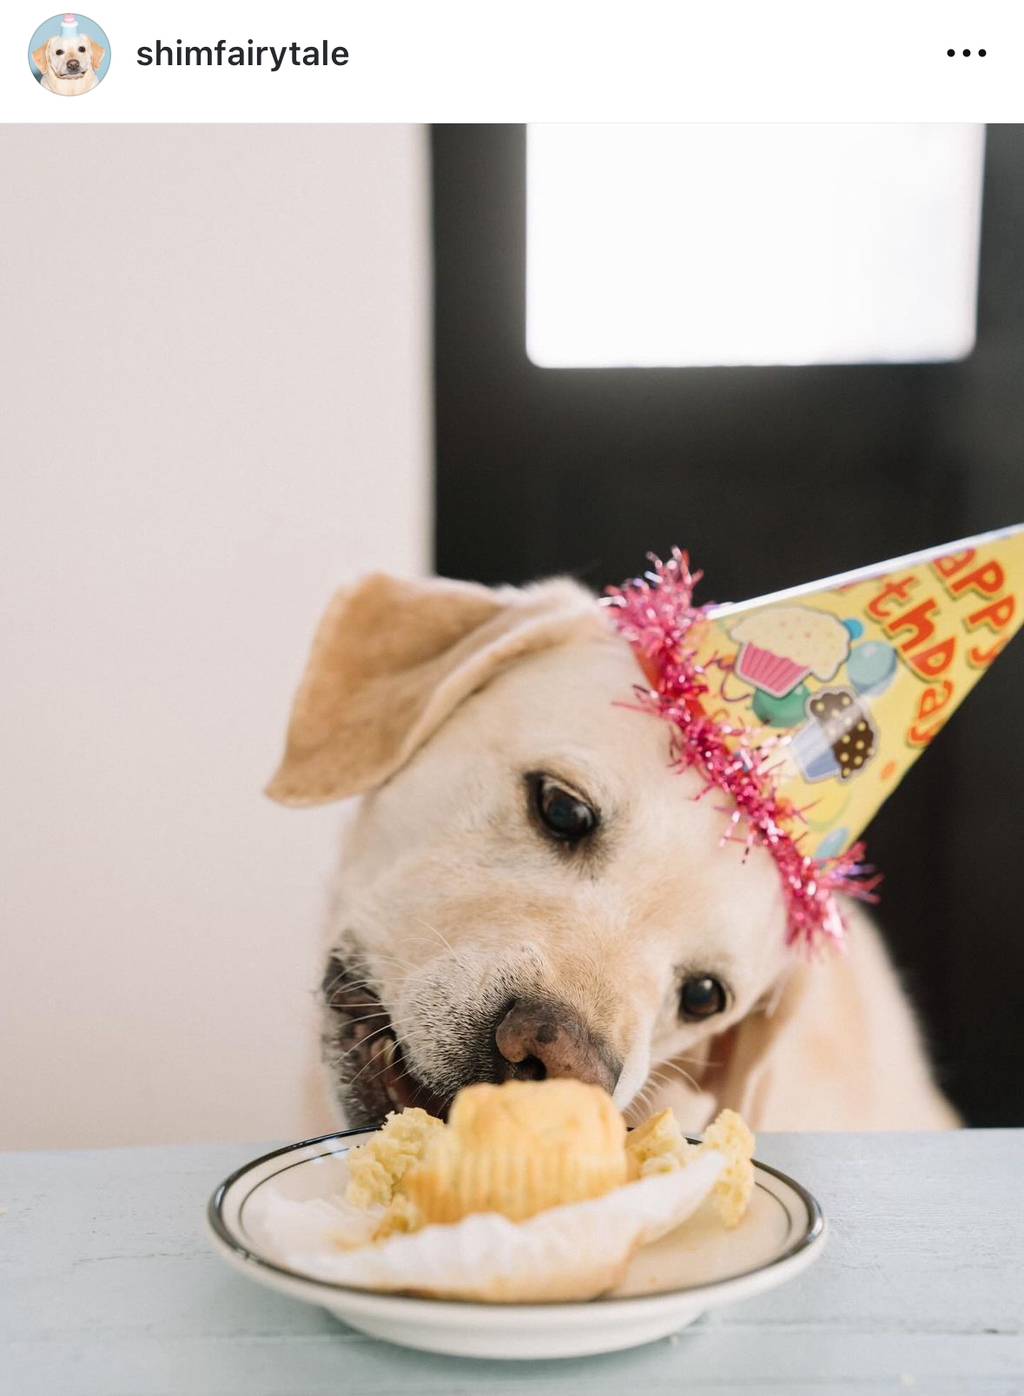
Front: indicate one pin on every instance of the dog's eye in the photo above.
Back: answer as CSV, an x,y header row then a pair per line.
x,y
59,52
81,48
701,996
565,816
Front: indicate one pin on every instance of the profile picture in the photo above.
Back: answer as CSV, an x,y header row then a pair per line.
x,y
69,55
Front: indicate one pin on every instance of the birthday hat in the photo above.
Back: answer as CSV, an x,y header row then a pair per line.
x,y
69,26
809,706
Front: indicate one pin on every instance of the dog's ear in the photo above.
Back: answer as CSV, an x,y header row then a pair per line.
x,y
39,58
743,1054
97,54
392,659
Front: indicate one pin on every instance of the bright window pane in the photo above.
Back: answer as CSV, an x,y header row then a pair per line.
x,y
700,245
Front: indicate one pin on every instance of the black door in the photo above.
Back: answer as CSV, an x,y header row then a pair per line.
x,y
584,471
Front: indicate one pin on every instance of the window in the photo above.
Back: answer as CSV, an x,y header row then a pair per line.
x,y
716,245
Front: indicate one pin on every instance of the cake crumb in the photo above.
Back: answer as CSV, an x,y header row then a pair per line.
x,y
657,1146
376,1168
729,1135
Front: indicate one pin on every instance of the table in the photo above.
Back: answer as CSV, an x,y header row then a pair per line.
x,y
108,1287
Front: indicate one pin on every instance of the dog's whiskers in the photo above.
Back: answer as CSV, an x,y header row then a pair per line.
x,y
642,1098
363,1018
339,1003
658,1073
442,938
372,1058
378,1074
657,1080
387,957
343,978
360,1046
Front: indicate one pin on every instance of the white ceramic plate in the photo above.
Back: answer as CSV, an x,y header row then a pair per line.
x,y
668,1285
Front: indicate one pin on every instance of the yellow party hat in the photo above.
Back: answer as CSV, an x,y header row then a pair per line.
x,y
809,706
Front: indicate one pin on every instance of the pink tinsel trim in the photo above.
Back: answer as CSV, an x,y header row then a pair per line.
x,y
656,615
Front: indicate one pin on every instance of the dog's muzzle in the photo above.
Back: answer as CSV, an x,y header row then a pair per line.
x,y
537,1038
363,1053
529,1039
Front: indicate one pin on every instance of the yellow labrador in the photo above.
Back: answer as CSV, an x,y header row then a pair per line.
x,y
69,66
528,888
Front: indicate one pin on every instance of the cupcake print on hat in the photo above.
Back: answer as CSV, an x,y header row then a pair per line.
x,y
781,646
838,741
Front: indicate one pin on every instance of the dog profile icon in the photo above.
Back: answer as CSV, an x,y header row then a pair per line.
x,y
69,61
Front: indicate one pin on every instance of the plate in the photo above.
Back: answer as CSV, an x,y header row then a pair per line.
x,y
699,1266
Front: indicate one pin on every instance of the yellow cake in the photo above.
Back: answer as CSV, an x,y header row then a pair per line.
x,y
376,1168
656,1146
729,1134
525,1146
517,1149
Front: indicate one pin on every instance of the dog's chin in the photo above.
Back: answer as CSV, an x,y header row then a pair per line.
x,y
369,1069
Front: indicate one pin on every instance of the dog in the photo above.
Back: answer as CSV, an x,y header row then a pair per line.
x,y
530,888
69,66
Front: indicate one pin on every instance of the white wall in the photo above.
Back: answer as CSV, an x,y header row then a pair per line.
x,y
214,360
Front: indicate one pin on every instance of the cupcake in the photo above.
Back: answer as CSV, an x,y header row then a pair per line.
x,y
516,1150
781,645
532,1192
838,741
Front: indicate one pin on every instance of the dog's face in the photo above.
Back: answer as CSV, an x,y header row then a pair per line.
x,y
537,890
69,58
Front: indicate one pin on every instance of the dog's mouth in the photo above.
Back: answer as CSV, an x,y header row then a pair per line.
x,y
369,1066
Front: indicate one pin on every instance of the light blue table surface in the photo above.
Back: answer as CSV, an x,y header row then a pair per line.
x,y
108,1287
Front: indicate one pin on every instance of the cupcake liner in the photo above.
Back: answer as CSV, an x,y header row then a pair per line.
x,y
812,753
774,674
573,1252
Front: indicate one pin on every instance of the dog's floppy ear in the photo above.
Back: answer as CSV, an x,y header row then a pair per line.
x,y
97,54
39,58
743,1054
392,659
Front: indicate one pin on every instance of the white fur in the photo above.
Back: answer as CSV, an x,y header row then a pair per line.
x,y
455,902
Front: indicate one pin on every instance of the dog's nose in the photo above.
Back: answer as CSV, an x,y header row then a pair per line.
x,y
73,65
536,1039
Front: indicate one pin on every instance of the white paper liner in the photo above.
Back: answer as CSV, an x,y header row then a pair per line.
x,y
573,1252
